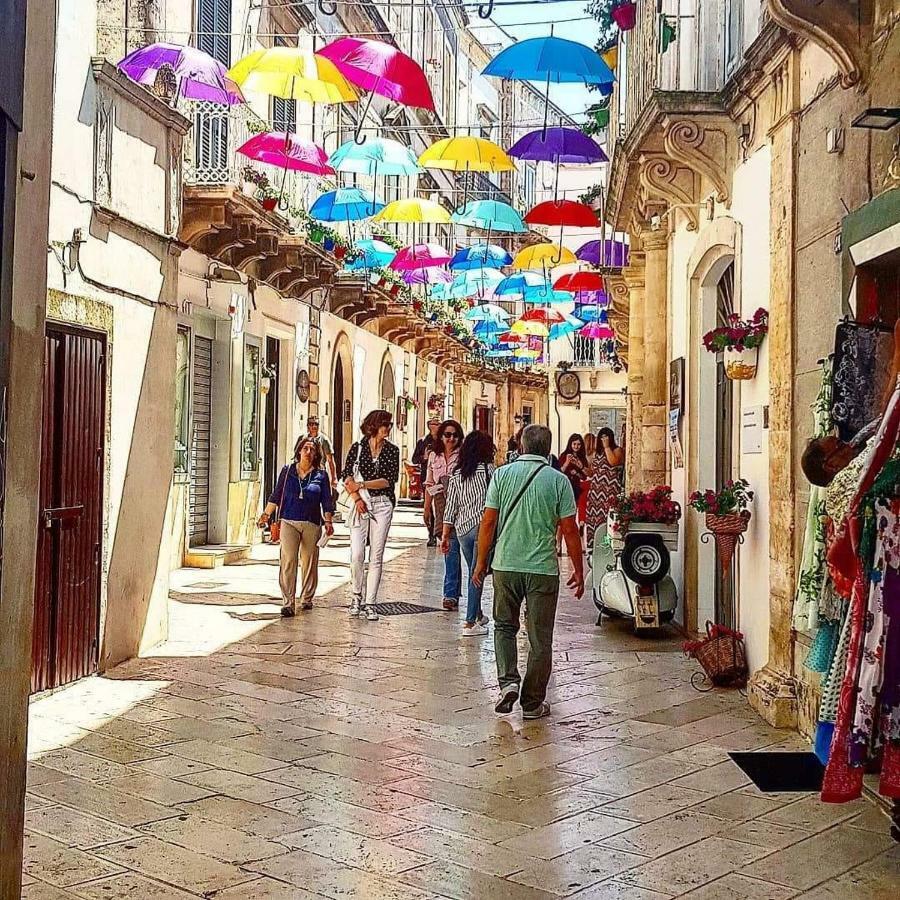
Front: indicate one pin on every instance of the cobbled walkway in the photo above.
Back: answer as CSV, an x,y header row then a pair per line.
x,y
322,757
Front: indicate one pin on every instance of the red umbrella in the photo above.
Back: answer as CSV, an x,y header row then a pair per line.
x,y
509,337
420,256
563,212
580,281
547,316
381,69
287,151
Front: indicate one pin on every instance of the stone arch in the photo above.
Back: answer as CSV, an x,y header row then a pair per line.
x,y
387,382
342,396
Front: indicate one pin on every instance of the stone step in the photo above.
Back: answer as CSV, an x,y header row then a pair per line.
x,y
215,555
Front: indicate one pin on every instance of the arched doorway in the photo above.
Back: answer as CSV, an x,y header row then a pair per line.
x,y
388,389
342,399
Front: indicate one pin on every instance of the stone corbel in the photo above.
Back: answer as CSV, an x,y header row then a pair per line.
x,y
842,28
702,150
661,179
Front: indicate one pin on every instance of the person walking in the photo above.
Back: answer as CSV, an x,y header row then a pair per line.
x,y
303,500
424,448
441,465
605,485
526,501
314,434
370,474
466,495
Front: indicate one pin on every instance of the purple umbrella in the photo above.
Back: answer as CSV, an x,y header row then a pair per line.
x,y
558,145
198,75
427,276
604,253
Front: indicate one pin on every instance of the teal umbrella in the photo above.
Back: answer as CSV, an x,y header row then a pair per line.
x,y
488,312
564,329
515,285
544,295
377,156
372,255
489,215
474,282
345,205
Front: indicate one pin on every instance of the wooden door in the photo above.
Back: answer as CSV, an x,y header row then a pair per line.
x,y
271,463
65,643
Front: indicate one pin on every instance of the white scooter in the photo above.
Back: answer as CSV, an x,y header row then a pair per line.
x,y
630,574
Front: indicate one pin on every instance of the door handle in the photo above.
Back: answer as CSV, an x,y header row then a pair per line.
x,y
62,514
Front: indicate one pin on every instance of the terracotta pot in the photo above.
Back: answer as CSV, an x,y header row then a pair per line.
x,y
340,252
625,15
269,203
740,365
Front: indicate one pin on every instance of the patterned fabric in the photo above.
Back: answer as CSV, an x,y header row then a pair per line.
x,y
604,490
386,465
831,686
823,646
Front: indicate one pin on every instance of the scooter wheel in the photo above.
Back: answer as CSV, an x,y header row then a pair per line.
x,y
645,559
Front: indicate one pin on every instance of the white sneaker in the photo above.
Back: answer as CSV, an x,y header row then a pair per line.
x,y
354,608
371,615
476,629
483,619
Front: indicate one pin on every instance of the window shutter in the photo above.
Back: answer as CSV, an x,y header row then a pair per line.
x,y
214,29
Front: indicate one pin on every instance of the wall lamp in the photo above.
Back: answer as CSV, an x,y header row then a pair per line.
x,y
878,118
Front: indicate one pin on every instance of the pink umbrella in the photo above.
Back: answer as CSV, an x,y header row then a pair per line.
x,y
287,151
427,276
381,69
597,330
420,256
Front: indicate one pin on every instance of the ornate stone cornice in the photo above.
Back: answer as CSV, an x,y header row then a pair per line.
x,y
702,149
842,28
664,180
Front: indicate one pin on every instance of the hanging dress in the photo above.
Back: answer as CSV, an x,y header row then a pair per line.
x,y
605,488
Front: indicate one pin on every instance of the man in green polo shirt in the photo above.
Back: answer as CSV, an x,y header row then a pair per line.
x,y
526,501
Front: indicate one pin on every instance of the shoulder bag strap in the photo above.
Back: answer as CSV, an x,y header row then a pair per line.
x,y
516,500
287,473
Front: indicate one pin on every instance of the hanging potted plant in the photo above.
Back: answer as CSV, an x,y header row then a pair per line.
x,y
727,515
652,511
739,340
624,14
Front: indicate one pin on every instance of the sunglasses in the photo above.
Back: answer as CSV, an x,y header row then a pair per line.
x,y
451,434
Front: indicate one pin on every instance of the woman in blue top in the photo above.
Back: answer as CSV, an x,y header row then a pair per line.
x,y
304,500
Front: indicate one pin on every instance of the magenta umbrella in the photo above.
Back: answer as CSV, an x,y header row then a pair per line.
x,y
379,68
287,151
197,75
420,256
427,276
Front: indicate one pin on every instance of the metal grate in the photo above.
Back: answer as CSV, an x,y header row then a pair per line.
x,y
403,609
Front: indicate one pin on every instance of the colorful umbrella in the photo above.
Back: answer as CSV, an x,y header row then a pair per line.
x,y
475,282
488,312
466,154
427,276
509,337
287,151
500,354
558,145
489,215
517,284
597,330
378,156
547,316
345,205
372,255
542,256
563,329
607,252
379,68
197,75
479,256
524,327
580,281
420,256
546,295
292,74
414,209
562,212
526,353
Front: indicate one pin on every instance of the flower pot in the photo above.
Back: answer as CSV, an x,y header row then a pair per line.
x,y
269,203
625,15
394,289
740,365
249,189
340,252
328,244
316,234
727,529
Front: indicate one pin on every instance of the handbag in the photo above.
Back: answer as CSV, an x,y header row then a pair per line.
x,y
509,512
344,502
275,527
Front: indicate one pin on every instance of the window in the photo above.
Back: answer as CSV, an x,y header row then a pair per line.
x,y
182,401
284,112
584,351
529,187
734,36
212,157
250,413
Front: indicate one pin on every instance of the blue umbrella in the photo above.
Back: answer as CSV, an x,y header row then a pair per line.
x,y
372,255
488,312
516,284
377,156
544,294
489,215
479,256
474,281
345,205
500,354
563,329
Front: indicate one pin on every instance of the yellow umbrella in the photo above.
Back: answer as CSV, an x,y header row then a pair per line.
x,y
526,353
292,74
531,327
413,209
466,154
543,256
611,56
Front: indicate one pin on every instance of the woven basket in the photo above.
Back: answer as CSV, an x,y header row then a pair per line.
x,y
722,656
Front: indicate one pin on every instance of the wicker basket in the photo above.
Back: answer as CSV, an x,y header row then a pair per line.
x,y
722,656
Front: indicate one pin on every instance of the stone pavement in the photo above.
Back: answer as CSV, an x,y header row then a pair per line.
x,y
323,757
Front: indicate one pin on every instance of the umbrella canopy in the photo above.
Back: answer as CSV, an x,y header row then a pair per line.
x,y
380,68
413,209
489,328
597,330
488,312
466,154
551,59
345,205
420,256
197,75
590,313
372,255
377,156
293,74
524,327
605,252
427,276
563,329
480,256
580,281
542,256
547,316
562,212
519,283
489,215
475,281
546,295
560,145
288,151
526,353
500,354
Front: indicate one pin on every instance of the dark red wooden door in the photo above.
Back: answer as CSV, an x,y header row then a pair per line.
x,y
67,578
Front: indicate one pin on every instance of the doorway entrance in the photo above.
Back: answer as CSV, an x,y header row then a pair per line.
x,y
342,400
271,462
201,414
65,641
726,613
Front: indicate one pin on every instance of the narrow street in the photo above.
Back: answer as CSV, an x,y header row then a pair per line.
x,y
264,759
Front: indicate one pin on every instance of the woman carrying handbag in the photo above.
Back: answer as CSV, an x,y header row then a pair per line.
x,y
303,501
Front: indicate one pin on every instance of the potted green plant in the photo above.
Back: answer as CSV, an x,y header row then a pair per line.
x,y
739,339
